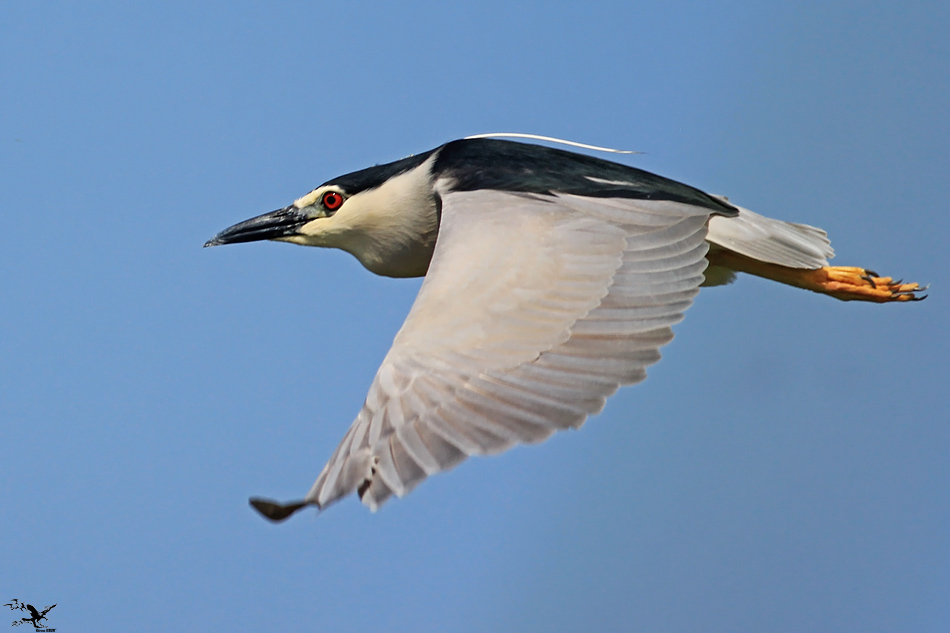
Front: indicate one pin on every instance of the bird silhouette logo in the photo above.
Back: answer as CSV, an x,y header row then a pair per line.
x,y
36,617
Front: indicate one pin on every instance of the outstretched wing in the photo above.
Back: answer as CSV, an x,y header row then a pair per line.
x,y
47,609
534,310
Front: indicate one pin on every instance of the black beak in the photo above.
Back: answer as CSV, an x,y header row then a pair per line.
x,y
280,223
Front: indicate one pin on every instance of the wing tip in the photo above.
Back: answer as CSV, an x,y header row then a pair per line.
x,y
275,511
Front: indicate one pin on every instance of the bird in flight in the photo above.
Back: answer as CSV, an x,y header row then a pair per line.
x,y
36,617
551,279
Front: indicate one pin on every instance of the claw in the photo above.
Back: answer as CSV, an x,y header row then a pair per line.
x,y
849,283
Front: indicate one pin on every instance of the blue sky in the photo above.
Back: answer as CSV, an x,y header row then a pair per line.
x,y
784,468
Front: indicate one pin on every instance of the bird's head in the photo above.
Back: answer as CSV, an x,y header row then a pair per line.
x,y
387,216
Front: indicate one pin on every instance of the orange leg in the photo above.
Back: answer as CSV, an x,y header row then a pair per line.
x,y
847,283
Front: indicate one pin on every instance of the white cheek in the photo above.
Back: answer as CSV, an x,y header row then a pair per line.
x,y
295,239
329,231
311,228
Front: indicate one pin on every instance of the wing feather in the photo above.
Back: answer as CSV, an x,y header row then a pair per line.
x,y
534,311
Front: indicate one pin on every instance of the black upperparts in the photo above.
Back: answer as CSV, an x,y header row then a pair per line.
x,y
475,164
372,177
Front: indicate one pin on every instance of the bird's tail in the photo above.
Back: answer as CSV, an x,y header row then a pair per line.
x,y
796,255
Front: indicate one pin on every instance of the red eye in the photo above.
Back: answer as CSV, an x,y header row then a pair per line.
x,y
332,200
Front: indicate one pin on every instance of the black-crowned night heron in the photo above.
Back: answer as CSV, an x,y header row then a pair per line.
x,y
551,279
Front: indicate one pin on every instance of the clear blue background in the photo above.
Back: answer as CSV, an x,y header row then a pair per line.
x,y
785,468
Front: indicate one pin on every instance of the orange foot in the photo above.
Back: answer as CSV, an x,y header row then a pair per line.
x,y
850,283
847,283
